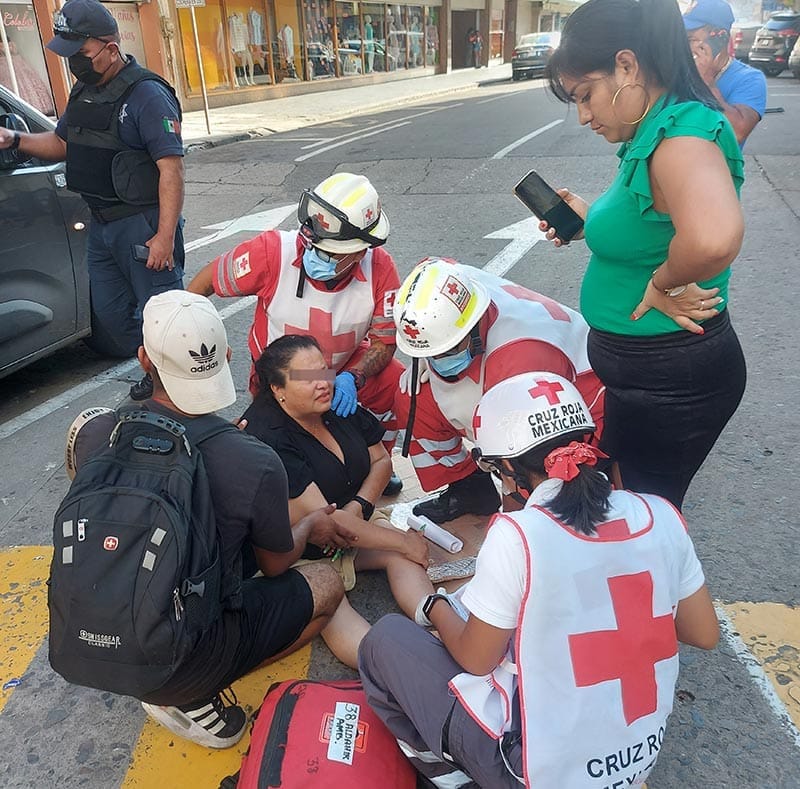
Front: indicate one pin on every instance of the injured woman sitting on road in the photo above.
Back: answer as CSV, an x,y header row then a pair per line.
x,y
335,460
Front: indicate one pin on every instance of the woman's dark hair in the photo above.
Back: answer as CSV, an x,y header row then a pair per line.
x,y
273,363
652,29
582,502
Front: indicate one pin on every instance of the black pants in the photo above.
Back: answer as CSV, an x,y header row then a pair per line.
x,y
667,400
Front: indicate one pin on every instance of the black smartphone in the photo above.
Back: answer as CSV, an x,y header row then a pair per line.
x,y
140,253
545,203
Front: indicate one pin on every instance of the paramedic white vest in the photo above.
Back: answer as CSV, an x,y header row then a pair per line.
x,y
339,320
596,645
522,315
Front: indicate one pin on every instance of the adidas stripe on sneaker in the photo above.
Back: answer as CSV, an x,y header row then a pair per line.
x,y
211,723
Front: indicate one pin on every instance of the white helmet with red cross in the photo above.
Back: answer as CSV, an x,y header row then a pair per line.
x,y
343,215
436,306
525,411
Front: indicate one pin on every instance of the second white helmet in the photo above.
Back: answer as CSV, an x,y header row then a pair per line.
x,y
525,411
436,306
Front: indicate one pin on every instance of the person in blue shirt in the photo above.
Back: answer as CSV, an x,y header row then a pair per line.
x,y
741,90
121,138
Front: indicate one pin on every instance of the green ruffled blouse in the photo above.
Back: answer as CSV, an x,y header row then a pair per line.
x,y
628,238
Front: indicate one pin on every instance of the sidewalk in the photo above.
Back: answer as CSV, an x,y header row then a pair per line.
x,y
258,119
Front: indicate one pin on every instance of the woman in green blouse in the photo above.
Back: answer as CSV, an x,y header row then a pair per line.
x,y
662,239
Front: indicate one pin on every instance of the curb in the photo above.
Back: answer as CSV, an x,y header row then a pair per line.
x,y
217,140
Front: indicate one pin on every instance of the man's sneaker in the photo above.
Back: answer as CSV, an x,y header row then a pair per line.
x,y
393,486
142,390
209,723
475,495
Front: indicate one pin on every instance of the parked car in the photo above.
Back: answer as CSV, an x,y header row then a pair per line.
x,y
531,54
794,59
743,34
774,42
44,283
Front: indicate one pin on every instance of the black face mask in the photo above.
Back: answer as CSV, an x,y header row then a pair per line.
x,y
82,68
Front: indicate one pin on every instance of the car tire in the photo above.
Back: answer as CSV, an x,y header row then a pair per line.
x,y
516,76
796,73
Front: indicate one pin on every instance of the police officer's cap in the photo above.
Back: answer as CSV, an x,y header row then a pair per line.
x,y
77,21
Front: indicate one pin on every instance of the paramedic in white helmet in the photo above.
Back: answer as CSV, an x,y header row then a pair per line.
x,y
330,279
558,660
471,329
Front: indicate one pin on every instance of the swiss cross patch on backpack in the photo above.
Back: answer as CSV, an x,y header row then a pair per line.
x,y
136,572
321,735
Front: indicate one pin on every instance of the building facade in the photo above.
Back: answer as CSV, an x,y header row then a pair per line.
x,y
251,50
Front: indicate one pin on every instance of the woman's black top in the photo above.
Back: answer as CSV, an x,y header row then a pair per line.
x,y
307,460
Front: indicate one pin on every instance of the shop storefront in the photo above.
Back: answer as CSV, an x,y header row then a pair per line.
x,y
22,64
39,76
247,44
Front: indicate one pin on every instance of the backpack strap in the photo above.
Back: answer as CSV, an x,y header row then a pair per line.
x,y
202,428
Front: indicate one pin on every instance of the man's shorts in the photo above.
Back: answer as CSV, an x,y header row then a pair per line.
x,y
274,613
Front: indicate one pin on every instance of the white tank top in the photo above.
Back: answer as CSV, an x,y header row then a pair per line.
x,y
596,645
339,320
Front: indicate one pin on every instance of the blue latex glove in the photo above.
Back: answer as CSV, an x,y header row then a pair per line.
x,y
345,399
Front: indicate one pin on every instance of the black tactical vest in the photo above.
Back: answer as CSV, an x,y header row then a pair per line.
x,y
100,166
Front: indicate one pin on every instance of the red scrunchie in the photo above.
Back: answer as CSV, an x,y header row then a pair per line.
x,y
563,462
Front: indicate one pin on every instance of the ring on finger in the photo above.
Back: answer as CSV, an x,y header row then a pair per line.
x,y
702,304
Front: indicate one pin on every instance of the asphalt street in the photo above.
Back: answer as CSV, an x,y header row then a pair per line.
x,y
445,170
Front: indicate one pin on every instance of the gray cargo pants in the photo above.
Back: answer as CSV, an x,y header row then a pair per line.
x,y
405,672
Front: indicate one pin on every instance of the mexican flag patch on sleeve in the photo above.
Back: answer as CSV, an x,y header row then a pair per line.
x,y
171,126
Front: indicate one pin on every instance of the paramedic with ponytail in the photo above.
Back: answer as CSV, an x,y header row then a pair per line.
x,y
562,651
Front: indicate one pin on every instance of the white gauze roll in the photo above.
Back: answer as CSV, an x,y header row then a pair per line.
x,y
436,534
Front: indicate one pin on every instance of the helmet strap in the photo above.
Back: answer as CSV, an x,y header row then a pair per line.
x,y
476,346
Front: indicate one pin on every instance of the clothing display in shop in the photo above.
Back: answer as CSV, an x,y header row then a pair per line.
x,y
240,46
32,87
255,25
415,42
286,49
394,42
227,65
369,46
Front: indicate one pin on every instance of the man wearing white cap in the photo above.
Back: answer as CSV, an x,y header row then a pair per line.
x,y
186,352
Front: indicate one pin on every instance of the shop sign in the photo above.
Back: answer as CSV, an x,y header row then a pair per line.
x,y
190,3
130,30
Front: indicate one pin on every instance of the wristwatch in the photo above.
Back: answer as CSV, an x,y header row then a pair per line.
x,y
427,606
367,507
15,143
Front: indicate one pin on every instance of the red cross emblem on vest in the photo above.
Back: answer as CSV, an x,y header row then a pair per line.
x,y
554,309
628,654
548,389
320,326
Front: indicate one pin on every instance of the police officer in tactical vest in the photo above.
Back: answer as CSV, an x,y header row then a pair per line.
x,y
120,137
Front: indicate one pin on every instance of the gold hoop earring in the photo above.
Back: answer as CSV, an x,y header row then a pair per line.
x,y
616,96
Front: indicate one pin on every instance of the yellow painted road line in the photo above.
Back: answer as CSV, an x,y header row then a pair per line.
x,y
161,759
772,633
766,639
23,610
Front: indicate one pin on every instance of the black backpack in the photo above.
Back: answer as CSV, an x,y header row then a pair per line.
x,y
136,572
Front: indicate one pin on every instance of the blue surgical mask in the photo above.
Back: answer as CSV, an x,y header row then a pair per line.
x,y
317,267
448,366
